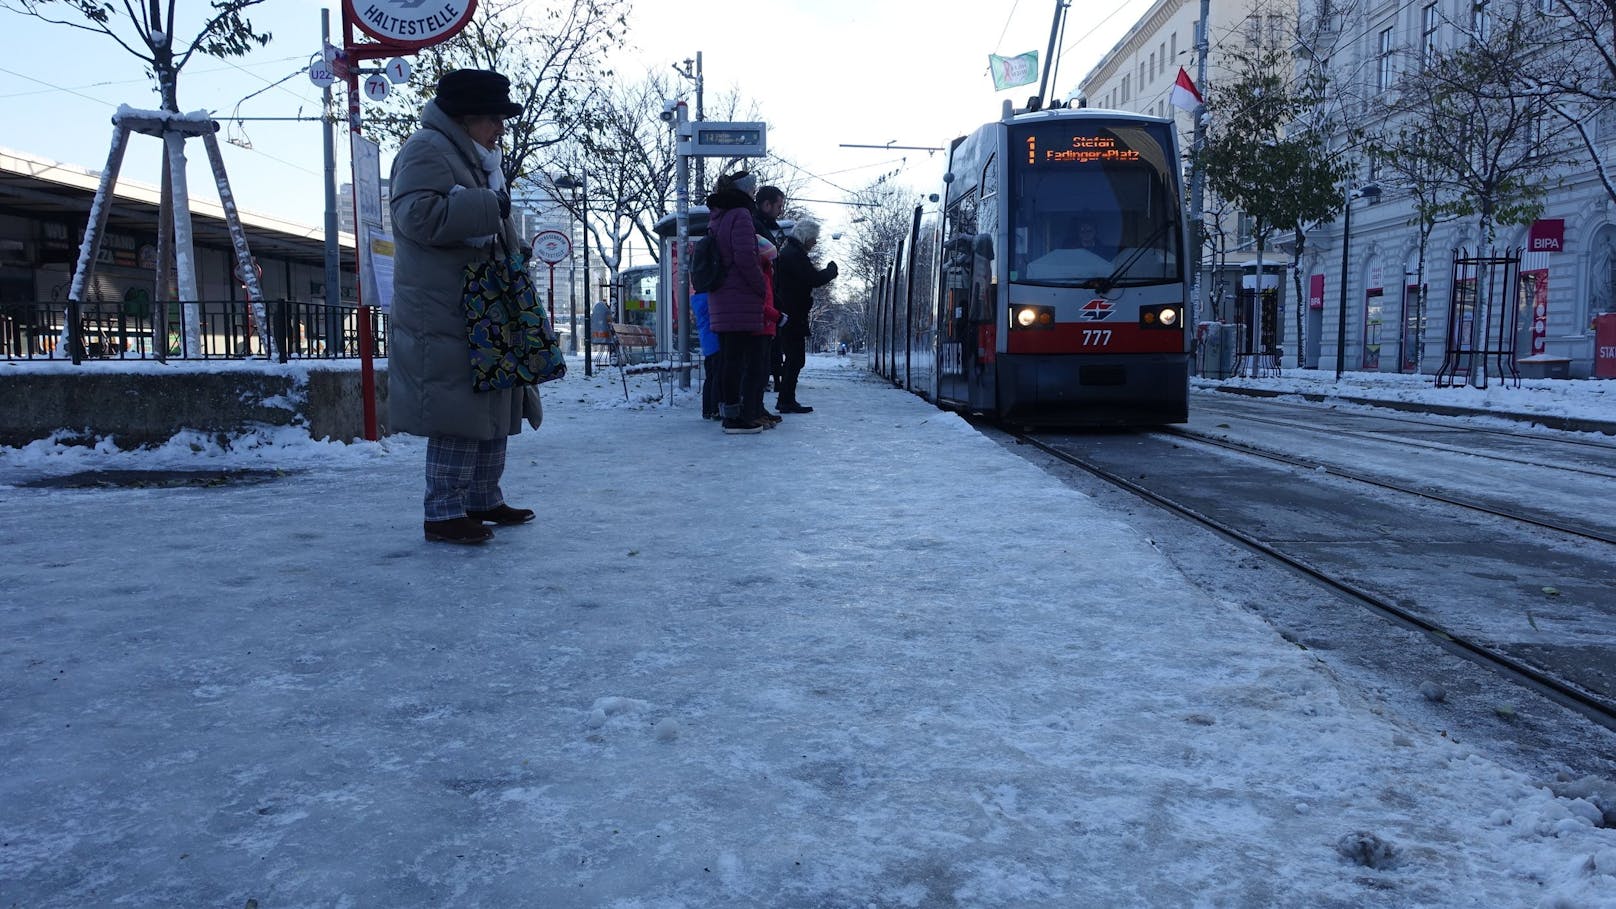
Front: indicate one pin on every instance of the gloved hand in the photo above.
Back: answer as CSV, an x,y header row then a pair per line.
x,y
831,267
504,202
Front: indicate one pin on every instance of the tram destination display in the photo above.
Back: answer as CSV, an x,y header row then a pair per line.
x,y
1066,148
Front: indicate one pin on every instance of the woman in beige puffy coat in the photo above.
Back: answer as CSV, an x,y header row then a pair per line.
x,y
449,204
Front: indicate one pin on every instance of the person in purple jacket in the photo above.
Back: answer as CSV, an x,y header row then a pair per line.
x,y
735,306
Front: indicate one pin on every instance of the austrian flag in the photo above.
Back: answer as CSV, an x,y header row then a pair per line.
x,y
1184,93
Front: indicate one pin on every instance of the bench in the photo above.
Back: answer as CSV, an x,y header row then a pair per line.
x,y
635,345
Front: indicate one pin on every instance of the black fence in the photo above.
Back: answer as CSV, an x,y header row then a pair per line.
x,y
157,331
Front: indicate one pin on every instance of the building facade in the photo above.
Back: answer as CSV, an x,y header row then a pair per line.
x,y
1567,271
1138,75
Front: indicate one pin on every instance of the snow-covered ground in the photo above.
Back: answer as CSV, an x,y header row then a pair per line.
x,y
870,658
1584,399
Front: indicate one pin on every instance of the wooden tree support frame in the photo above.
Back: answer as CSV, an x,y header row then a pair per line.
x,y
174,216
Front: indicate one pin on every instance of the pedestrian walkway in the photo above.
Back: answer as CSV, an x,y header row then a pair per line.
x,y
869,658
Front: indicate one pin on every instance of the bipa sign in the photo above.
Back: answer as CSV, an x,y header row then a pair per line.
x,y
1547,235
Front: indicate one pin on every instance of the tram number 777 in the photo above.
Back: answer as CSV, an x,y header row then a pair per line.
x,y
1096,337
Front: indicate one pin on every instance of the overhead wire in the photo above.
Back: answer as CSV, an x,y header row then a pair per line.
x,y
51,86
1004,31
813,176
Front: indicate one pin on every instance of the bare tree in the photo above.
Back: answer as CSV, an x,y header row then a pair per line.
x,y
1268,149
148,31
555,57
1575,73
1486,143
623,152
1406,154
886,209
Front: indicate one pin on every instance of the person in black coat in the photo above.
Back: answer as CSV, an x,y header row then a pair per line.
x,y
795,280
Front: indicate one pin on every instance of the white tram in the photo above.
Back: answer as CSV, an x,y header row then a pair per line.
x,y
1049,285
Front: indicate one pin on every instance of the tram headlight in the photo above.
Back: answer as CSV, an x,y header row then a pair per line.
x,y
1168,316
1032,317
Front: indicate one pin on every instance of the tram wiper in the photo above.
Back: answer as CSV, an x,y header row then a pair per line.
x,y
1104,285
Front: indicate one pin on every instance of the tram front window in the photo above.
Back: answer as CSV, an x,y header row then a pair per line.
x,y
1092,206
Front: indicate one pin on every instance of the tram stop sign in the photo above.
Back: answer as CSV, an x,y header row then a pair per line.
x,y
409,24
552,247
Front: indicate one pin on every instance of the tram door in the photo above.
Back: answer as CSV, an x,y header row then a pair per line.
x,y
959,309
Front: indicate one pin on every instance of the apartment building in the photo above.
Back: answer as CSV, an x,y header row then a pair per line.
x,y
1567,272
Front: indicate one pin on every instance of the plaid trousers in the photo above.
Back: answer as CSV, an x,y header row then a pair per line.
x,y
462,474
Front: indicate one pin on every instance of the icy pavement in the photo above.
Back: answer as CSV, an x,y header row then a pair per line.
x,y
868,659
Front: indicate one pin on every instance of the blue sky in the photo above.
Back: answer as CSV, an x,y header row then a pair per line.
x,y
825,73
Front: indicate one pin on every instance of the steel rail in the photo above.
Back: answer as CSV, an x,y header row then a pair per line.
x,y
1374,436
1561,692
1346,474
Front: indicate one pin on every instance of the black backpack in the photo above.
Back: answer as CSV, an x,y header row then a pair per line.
x,y
706,267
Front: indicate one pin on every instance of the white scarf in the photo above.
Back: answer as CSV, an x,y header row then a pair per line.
x,y
496,182
491,159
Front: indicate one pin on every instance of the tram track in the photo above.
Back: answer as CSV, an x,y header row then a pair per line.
x,y
1517,515
1600,708
1450,449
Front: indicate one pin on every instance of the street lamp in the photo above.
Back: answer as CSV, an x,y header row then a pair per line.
x,y
579,200
1371,192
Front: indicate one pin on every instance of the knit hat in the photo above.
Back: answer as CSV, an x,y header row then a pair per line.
x,y
476,91
744,182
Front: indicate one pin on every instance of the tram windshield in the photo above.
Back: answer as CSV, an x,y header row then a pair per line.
x,y
1093,204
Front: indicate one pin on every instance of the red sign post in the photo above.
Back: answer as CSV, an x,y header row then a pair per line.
x,y
399,27
552,247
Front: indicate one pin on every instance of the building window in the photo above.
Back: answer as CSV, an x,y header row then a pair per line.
x,y
1602,274
1161,55
1124,98
1481,21
1153,69
1605,123
1428,25
1172,41
1383,73
1254,29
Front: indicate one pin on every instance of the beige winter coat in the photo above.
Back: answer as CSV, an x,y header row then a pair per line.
x,y
429,378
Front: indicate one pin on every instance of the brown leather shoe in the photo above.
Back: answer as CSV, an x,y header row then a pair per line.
x,y
501,514
468,531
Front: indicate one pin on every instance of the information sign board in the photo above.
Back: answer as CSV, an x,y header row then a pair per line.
x,y
722,138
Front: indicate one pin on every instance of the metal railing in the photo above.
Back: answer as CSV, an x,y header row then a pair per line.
x,y
224,330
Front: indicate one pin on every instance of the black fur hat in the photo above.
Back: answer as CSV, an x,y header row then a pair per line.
x,y
476,91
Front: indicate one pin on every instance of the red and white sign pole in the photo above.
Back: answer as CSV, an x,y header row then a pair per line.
x,y
552,247
399,27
